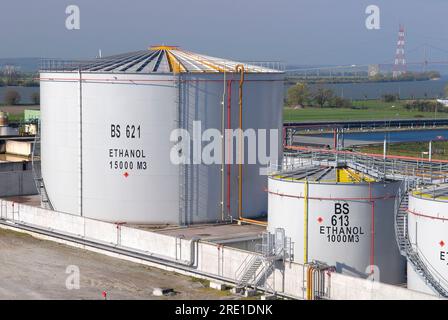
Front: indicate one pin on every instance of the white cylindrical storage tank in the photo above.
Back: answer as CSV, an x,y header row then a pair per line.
x,y
428,236
340,217
111,144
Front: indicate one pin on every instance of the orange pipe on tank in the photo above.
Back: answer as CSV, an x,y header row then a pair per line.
x,y
229,127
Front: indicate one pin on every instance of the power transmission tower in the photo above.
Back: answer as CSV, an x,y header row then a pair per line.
x,y
400,60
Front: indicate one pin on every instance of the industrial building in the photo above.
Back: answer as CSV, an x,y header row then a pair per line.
x,y
16,170
107,129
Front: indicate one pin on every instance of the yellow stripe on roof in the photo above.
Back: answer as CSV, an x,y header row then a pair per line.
x,y
203,61
175,64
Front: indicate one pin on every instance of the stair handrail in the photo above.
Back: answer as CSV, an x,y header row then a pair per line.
x,y
402,193
33,156
261,275
244,267
431,270
38,180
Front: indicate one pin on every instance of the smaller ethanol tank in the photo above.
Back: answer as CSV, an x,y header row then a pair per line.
x,y
428,234
340,217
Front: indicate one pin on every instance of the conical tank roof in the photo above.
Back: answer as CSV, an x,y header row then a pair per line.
x,y
159,59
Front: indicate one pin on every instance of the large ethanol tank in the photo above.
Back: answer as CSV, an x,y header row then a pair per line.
x,y
109,136
428,235
340,217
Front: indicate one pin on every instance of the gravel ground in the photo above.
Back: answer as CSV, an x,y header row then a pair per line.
x,y
35,269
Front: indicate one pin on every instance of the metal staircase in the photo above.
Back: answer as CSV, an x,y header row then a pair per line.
x,y
248,274
256,269
37,173
421,267
401,222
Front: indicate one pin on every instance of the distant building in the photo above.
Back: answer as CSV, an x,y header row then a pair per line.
x,y
31,115
443,101
374,70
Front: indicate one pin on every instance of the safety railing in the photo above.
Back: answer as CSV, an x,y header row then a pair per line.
x,y
418,261
390,167
61,65
439,280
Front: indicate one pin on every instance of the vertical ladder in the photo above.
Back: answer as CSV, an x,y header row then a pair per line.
x,y
37,172
182,167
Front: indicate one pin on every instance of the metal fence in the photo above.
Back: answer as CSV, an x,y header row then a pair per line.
x,y
61,65
421,171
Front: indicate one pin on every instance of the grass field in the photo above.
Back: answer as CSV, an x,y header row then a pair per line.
x,y
368,110
411,149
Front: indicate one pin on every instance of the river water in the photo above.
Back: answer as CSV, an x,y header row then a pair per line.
x,y
25,93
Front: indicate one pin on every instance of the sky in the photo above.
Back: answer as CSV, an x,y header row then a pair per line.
x,y
303,32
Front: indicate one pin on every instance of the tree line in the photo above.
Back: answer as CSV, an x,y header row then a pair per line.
x,y
10,76
13,97
301,96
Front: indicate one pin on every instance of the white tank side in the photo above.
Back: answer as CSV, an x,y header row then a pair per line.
x,y
348,250
262,109
60,143
146,114
161,193
428,233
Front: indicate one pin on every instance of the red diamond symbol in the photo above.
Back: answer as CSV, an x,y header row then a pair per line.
x,y
320,219
442,243
126,174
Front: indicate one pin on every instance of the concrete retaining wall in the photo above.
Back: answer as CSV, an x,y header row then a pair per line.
x,y
347,288
16,183
209,258
16,178
95,230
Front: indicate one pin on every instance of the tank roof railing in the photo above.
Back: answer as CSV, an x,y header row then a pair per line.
x,y
59,65
64,65
386,169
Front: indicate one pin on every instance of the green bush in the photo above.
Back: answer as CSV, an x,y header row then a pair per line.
x,y
389,97
35,98
12,97
425,106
